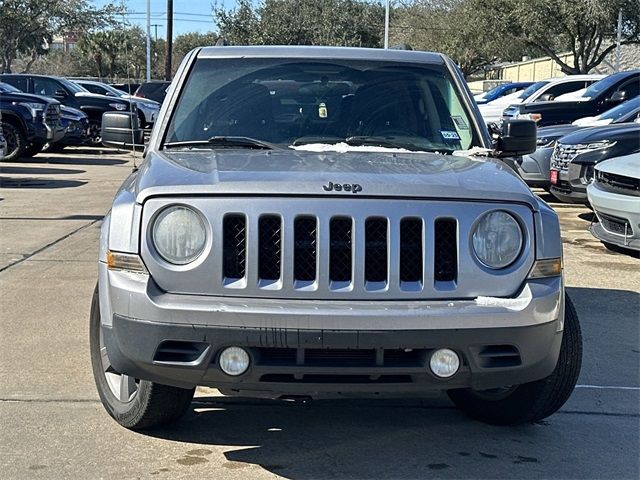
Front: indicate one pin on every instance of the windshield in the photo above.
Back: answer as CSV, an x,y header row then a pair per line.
x,y
298,102
6,88
531,89
73,87
622,110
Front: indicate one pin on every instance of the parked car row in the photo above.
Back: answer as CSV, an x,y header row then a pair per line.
x,y
48,113
587,147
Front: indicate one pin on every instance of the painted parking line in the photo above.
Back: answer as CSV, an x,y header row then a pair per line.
x,y
607,387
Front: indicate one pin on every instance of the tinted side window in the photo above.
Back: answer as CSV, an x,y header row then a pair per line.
x,y
45,86
631,88
19,82
563,88
94,88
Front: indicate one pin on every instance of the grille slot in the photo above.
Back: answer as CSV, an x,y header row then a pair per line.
x,y
269,247
52,116
617,225
317,378
375,254
234,246
277,356
341,241
340,357
305,248
612,182
174,351
445,262
497,356
411,256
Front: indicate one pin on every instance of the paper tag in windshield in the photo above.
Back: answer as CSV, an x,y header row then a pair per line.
x,y
450,135
460,123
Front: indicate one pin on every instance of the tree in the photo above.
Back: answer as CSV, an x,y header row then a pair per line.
x,y
28,26
186,42
585,28
303,22
452,27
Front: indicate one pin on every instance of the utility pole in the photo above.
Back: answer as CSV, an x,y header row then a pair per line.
x,y
148,40
386,25
155,28
168,62
618,40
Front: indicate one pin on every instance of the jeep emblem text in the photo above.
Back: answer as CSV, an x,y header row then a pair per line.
x,y
344,187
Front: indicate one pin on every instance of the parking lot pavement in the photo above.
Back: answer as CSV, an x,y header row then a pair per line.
x,y
53,426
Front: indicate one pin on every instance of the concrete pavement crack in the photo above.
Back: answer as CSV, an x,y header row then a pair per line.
x,y
51,244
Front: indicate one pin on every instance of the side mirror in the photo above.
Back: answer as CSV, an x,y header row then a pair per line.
x,y
518,137
617,96
547,97
60,94
121,130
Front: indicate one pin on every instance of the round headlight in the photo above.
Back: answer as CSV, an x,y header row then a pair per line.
x,y
179,235
497,239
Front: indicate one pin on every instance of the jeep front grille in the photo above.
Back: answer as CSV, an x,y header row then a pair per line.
x,y
332,249
304,251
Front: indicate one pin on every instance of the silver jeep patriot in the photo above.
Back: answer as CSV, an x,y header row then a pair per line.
x,y
313,221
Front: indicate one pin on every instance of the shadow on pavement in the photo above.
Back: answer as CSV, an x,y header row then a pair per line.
x,y
80,160
412,437
28,170
38,183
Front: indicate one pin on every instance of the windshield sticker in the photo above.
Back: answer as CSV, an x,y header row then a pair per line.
x,y
460,123
450,135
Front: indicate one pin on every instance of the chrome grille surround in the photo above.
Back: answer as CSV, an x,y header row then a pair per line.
x,y
350,247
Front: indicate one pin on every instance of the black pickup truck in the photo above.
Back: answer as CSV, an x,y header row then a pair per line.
x,y
600,96
28,122
71,95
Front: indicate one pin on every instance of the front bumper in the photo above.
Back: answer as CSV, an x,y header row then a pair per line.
x,y
572,183
623,209
304,347
534,168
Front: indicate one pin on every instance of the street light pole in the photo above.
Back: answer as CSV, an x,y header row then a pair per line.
x,y
386,25
148,40
168,62
618,40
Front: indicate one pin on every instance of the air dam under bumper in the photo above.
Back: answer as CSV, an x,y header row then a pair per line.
x,y
305,361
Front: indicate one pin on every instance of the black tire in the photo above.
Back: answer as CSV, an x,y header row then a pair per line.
x,y
16,141
152,404
32,149
95,132
530,402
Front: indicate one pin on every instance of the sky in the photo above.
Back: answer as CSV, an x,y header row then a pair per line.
x,y
188,16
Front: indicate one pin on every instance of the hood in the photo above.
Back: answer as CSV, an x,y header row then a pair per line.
x,y
72,113
556,131
288,172
597,134
28,97
101,97
627,166
147,101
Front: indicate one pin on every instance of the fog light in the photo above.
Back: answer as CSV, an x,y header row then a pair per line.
x,y
444,362
234,361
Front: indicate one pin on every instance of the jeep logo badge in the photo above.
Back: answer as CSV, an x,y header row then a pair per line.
x,y
342,187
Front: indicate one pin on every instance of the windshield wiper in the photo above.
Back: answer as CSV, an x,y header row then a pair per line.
x,y
316,139
390,142
223,141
